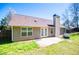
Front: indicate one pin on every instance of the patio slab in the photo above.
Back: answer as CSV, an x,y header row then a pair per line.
x,y
47,41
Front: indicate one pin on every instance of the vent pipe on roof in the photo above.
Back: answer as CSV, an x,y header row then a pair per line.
x,y
56,21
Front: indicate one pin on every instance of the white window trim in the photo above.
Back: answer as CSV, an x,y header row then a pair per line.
x,y
44,32
47,31
22,31
27,31
40,32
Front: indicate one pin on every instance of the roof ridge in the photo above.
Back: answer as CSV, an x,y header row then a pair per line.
x,y
33,17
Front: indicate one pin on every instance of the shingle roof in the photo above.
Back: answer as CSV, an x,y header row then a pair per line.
x,y
22,20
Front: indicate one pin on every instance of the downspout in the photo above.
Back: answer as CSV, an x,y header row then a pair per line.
x,y
12,33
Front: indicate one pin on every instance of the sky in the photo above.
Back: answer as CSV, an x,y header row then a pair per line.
x,y
42,10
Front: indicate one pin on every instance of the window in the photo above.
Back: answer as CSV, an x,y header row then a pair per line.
x,y
26,31
42,32
51,30
29,31
45,32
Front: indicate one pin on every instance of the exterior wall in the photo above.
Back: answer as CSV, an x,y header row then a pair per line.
x,y
49,32
36,33
17,34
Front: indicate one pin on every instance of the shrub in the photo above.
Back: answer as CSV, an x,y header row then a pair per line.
x,y
66,36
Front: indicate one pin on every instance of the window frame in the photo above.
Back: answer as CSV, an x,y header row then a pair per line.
x,y
24,31
45,34
27,31
52,30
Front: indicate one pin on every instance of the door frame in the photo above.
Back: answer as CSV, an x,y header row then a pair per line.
x,y
43,32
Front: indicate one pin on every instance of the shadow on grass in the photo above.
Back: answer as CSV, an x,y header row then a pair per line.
x,y
1,43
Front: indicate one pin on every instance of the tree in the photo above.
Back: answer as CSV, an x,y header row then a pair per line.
x,y
3,23
66,18
67,24
74,9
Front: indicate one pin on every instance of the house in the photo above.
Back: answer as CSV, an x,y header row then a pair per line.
x,y
29,27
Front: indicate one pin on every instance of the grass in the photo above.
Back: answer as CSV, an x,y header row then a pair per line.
x,y
74,36
66,47
62,48
17,47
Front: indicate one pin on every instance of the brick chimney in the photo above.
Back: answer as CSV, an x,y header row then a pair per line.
x,y
56,22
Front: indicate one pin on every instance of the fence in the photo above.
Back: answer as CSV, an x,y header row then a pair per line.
x,y
5,36
73,30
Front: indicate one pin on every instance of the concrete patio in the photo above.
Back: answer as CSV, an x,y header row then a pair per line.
x,y
47,41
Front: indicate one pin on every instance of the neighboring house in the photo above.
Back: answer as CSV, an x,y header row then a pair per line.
x,y
28,27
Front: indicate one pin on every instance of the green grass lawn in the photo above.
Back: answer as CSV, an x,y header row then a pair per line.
x,y
67,47
74,36
62,48
17,47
